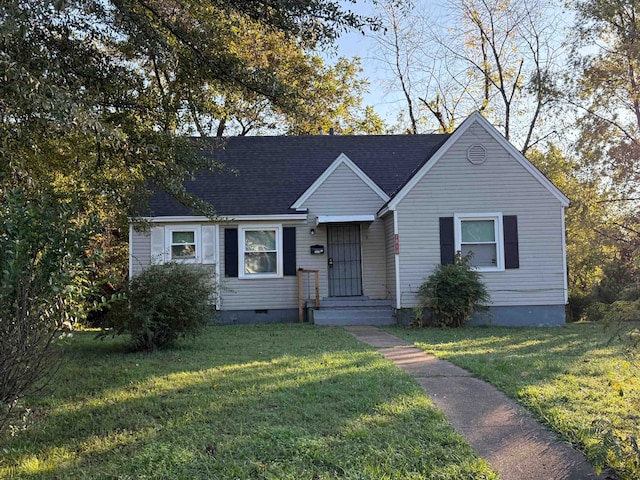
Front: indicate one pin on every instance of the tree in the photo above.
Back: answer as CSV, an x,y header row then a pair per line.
x,y
332,100
607,97
95,100
43,285
608,90
588,218
496,56
97,95
399,52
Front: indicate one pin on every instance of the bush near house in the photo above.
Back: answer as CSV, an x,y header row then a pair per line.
x,y
164,303
453,292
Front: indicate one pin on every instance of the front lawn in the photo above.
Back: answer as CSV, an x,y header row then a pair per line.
x,y
247,402
571,377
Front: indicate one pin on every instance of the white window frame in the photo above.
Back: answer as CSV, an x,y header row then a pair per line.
x,y
242,229
169,230
499,236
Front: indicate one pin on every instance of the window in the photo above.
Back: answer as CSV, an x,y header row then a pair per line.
x,y
260,252
480,235
182,243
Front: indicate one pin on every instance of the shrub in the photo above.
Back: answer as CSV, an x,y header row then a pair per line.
x,y
578,305
164,303
453,292
44,271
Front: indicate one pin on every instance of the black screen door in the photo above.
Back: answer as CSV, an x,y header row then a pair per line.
x,y
345,269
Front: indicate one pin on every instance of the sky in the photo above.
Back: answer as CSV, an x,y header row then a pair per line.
x,y
352,44
387,101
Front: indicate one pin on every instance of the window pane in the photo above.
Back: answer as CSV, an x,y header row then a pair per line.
x,y
260,262
483,255
183,251
478,231
259,240
183,237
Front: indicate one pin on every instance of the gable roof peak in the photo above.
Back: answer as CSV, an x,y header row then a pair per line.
x,y
342,159
475,118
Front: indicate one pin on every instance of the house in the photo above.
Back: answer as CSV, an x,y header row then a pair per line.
x,y
372,215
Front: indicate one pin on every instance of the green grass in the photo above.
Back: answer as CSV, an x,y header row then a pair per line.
x,y
258,402
572,377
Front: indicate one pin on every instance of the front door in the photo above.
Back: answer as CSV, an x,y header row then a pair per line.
x,y
345,269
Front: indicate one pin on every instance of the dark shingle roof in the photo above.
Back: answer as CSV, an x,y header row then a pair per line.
x,y
272,172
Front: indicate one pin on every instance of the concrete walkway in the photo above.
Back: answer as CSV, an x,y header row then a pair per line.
x,y
501,431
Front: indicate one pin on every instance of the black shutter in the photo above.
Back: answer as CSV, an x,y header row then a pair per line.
x,y
447,242
289,250
230,252
511,254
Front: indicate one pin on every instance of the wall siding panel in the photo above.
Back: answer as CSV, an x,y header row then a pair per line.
x,y
500,184
140,251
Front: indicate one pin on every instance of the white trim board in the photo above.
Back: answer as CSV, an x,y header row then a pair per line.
x,y
397,261
475,119
344,218
341,160
130,252
564,257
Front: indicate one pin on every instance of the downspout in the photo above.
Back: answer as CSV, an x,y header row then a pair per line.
x,y
564,258
130,251
396,254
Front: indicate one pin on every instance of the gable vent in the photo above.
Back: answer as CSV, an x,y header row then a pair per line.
x,y
476,154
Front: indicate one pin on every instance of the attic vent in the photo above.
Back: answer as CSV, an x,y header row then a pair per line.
x,y
476,154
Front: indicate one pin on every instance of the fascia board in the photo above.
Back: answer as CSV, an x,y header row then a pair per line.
x,y
224,219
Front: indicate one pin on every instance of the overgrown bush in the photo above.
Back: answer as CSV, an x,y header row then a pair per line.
x,y
44,271
164,303
453,292
578,306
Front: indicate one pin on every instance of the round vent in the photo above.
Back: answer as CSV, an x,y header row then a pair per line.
x,y
476,154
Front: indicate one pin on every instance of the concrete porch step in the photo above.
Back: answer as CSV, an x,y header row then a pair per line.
x,y
343,311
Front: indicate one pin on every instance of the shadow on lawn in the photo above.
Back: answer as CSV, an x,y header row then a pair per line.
x,y
513,342
289,403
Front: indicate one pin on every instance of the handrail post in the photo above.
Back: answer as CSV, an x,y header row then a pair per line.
x,y
302,298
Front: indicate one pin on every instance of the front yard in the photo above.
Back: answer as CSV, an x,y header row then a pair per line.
x,y
303,402
574,378
247,402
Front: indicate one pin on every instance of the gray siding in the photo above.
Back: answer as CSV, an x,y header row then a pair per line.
x,y
262,293
390,256
140,251
500,184
374,267
344,193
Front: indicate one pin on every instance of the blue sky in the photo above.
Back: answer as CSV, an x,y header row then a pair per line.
x,y
387,102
